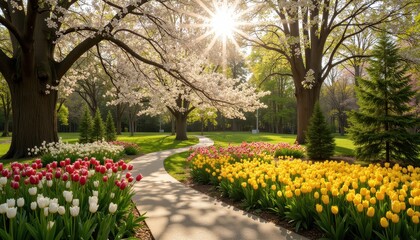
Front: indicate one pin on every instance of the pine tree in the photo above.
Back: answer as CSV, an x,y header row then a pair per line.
x,y
98,130
379,128
320,142
110,132
85,127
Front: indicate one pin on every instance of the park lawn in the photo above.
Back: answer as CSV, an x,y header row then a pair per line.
x,y
176,166
153,142
148,142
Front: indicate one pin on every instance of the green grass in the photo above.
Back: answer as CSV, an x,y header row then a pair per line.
x,y
344,146
176,165
153,142
148,142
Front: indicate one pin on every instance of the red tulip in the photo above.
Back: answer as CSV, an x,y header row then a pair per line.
x,y
130,179
105,178
139,177
54,164
118,183
16,178
62,163
114,169
124,166
65,177
48,176
130,167
123,185
83,180
26,181
5,173
108,165
1,166
14,184
75,177
127,175
57,174
67,161
33,179
103,169
37,161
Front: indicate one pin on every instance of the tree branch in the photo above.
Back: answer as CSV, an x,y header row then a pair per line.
x,y
12,30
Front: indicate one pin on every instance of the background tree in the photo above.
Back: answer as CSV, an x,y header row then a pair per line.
x,y
110,133
309,35
6,105
320,142
86,126
63,114
338,97
98,128
380,128
204,116
271,72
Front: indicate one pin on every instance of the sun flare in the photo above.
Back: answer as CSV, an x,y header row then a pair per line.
x,y
223,22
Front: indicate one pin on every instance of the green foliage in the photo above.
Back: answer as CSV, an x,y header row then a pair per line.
x,y
110,132
85,127
380,128
321,143
98,129
63,115
289,152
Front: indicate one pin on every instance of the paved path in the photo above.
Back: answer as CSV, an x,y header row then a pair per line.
x,y
175,211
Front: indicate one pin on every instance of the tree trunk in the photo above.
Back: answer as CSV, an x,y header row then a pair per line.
x,y
306,99
118,118
173,125
34,115
181,127
6,128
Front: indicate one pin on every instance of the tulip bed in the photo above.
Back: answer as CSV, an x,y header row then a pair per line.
x,y
64,200
345,201
56,151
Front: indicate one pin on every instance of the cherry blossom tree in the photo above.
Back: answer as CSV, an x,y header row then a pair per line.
x,y
48,37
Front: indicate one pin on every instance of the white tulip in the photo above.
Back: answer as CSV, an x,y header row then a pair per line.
x,y
112,207
11,202
68,195
20,202
49,183
93,208
46,212
32,191
61,210
33,205
3,208
75,202
112,195
68,184
96,184
74,211
93,199
11,212
53,208
95,193
50,225
3,180
40,184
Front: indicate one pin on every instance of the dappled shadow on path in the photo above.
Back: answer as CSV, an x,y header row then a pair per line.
x,y
175,211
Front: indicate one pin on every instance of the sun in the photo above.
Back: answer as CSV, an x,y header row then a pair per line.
x,y
223,22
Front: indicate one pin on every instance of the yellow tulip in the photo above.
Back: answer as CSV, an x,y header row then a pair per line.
x,y
384,222
273,187
410,212
243,184
319,208
325,199
334,210
388,214
316,195
380,196
289,194
395,207
297,192
370,212
360,207
395,218
279,193
372,200
415,219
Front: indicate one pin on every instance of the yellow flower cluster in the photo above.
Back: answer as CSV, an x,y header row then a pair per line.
x,y
391,194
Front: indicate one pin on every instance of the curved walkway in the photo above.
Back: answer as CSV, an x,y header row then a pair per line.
x,y
175,211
